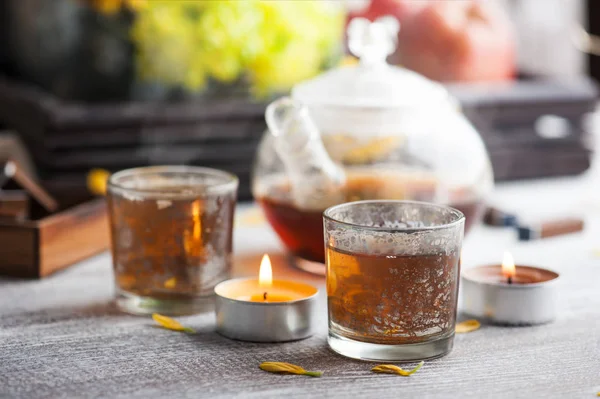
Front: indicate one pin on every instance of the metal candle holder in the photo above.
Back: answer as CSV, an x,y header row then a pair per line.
x,y
245,320
499,302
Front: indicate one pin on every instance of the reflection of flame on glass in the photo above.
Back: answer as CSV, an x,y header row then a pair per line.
x,y
196,216
265,274
508,266
193,240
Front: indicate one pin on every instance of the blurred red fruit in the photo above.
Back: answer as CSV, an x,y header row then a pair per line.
x,y
459,40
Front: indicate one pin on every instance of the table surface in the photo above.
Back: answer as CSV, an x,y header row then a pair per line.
x,y
62,337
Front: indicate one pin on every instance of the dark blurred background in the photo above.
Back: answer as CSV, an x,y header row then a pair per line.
x,y
111,84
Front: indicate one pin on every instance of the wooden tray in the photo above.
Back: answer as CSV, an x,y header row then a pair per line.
x,y
38,248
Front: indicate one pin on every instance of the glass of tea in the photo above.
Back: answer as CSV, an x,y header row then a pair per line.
x,y
392,278
171,232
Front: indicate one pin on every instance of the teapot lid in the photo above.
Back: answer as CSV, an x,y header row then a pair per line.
x,y
373,82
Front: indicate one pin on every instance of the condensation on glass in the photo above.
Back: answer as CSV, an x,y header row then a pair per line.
x,y
171,229
392,278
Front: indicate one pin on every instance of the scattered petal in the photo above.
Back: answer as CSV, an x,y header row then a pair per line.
x,y
467,326
171,324
97,180
392,369
287,368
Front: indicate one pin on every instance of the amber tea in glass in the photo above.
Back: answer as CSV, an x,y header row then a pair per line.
x,y
171,229
392,278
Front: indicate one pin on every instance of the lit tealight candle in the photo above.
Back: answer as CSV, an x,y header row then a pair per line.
x,y
509,293
268,292
508,267
265,310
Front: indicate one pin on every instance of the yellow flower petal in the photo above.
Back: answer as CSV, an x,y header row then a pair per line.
x,y
170,324
467,326
97,180
287,368
392,369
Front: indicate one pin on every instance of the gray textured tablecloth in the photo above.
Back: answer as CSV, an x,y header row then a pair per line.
x,y
62,338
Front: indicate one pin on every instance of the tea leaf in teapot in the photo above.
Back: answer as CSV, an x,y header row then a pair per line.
x,y
375,150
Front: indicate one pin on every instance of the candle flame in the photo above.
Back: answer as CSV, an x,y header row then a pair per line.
x,y
508,265
265,274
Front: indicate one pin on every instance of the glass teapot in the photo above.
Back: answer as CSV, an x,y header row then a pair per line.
x,y
369,131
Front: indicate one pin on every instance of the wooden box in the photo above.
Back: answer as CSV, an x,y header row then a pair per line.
x,y
533,127
39,247
68,138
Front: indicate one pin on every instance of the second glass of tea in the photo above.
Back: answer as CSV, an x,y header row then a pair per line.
x,y
392,279
171,229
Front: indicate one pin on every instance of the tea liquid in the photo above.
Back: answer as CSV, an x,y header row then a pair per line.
x,y
391,299
302,230
171,248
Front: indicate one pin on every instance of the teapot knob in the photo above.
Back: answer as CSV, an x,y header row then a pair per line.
x,y
373,42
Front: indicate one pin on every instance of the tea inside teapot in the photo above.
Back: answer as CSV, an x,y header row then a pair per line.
x,y
301,229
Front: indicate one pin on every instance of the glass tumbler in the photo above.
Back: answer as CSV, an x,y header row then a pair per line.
x,y
171,231
392,279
